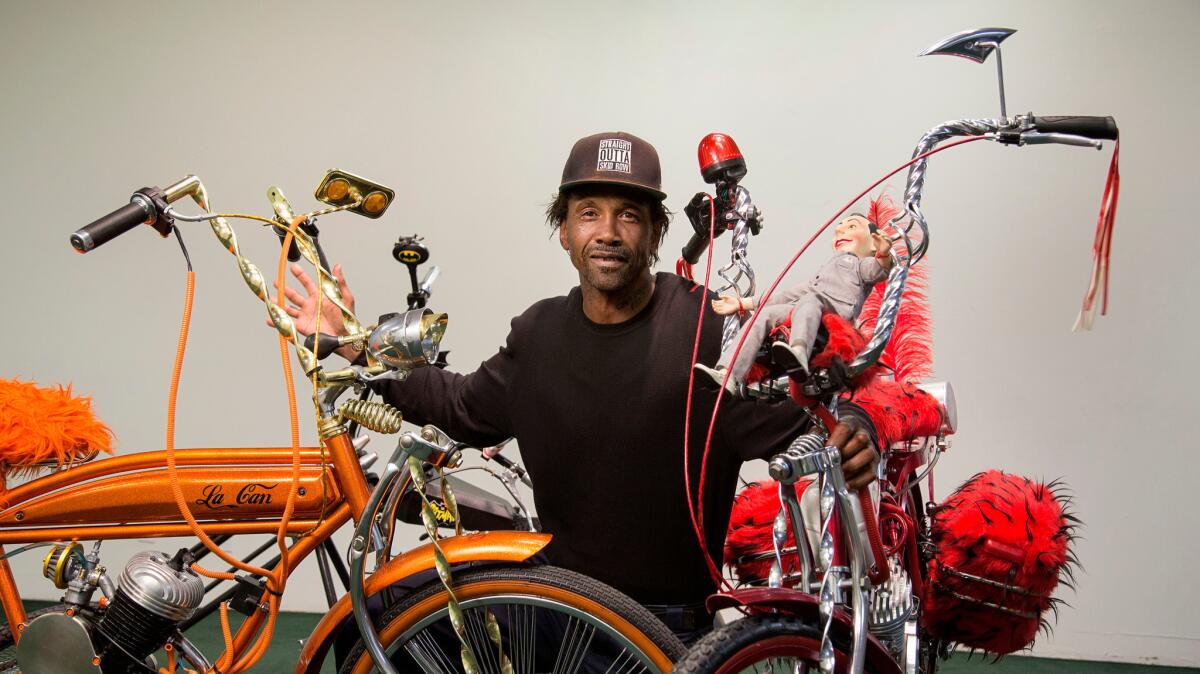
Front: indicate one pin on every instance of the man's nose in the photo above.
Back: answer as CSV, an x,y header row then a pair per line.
x,y
606,228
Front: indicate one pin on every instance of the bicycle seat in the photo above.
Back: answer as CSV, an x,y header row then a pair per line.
x,y
837,343
47,427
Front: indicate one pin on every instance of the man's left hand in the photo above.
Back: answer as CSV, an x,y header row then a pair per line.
x,y
859,457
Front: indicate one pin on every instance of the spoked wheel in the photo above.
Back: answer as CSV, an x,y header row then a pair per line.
x,y
768,644
550,620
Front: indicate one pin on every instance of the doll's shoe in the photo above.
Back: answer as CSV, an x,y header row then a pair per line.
x,y
711,377
789,358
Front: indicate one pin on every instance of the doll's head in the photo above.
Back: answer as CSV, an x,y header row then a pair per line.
x,y
853,235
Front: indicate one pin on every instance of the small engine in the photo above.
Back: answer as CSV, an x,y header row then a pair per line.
x,y
154,594
891,606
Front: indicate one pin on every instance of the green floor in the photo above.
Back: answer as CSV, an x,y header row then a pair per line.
x,y
294,627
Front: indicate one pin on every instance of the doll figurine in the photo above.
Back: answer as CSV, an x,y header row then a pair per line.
x,y
841,285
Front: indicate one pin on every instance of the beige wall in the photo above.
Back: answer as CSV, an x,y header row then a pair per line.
x,y
468,112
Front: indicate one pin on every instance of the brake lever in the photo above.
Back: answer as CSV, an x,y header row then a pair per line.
x,y
1039,138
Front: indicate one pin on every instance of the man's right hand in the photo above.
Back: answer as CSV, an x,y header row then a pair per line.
x,y
303,308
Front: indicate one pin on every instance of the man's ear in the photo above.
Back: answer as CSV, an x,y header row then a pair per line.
x,y
562,235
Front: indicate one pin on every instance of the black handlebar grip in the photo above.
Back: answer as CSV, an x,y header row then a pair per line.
x,y
328,345
1096,128
110,226
695,247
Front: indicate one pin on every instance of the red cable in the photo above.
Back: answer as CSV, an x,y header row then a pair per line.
x,y
687,417
698,522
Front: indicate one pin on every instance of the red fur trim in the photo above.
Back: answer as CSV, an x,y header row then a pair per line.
x,y
43,424
844,342
899,410
754,510
1008,529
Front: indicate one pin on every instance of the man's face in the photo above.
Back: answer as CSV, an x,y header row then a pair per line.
x,y
853,235
609,237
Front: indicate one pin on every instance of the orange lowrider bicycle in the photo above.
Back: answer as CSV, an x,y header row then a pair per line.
x,y
475,603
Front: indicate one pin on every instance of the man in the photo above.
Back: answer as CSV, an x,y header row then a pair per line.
x,y
594,386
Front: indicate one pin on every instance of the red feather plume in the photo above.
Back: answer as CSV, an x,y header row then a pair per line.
x,y
909,353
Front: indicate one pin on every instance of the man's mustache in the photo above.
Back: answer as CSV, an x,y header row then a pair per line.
x,y
621,252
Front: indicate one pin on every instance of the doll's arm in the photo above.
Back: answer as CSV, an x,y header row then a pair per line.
x,y
730,304
883,250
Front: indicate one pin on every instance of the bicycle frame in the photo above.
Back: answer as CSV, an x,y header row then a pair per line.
x,y
232,491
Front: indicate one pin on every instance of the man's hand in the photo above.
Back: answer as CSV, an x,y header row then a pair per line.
x,y
728,304
303,308
859,457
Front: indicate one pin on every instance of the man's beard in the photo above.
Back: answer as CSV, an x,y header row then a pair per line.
x,y
636,263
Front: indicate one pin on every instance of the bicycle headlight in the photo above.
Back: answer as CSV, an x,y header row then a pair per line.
x,y
408,340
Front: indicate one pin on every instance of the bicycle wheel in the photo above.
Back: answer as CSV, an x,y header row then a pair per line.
x,y
550,619
761,644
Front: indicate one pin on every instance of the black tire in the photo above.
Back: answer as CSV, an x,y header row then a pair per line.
x,y
532,604
782,641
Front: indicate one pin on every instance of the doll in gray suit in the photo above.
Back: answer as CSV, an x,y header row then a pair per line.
x,y
841,285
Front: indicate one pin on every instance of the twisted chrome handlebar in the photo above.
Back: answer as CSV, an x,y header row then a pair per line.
x,y
1018,130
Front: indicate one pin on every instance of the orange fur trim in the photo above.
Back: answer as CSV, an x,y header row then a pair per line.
x,y
47,424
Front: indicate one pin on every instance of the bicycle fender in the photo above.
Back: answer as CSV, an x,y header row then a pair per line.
x,y
805,607
497,546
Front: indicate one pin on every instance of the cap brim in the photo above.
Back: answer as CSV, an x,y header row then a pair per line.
x,y
658,194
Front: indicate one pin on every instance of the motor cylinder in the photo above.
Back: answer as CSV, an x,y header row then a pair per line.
x,y
155,592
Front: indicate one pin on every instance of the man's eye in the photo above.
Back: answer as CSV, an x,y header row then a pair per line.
x,y
631,215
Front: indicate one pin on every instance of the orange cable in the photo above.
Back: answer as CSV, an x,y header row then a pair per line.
x,y
227,633
172,470
276,579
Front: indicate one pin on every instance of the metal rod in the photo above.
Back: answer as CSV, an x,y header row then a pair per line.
x,y
1000,76
200,550
800,536
339,567
326,576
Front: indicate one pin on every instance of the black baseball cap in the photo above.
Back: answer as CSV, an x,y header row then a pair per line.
x,y
616,158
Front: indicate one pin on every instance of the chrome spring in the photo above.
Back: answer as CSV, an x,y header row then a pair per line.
x,y
372,415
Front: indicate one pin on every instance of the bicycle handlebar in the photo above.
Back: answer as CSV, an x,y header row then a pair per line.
x,y
139,210
1022,129
147,205
1096,128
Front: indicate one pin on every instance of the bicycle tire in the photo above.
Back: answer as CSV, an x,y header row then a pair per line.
x,y
590,608
783,643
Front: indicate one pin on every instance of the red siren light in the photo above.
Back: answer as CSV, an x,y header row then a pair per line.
x,y
720,159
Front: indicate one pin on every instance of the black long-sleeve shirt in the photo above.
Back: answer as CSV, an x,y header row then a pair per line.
x,y
598,411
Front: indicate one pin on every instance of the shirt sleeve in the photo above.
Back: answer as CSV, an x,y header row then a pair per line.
x,y
470,408
757,429
871,271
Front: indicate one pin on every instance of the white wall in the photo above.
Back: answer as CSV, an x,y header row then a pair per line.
x,y
468,112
